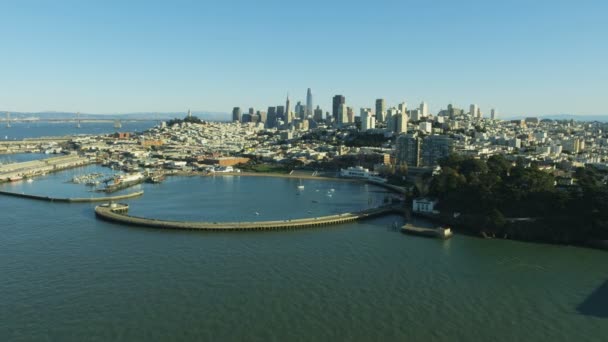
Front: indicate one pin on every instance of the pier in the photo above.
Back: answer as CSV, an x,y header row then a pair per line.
x,y
73,200
39,167
118,213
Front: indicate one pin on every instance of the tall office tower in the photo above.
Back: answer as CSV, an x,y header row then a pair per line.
x,y
380,110
263,115
390,119
342,115
338,100
271,117
287,110
424,110
368,121
236,114
251,111
318,114
189,113
478,114
280,112
415,115
350,114
473,110
408,150
493,114
402,107
434,148
309,108
400,123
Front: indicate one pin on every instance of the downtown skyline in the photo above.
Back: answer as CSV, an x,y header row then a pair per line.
x,y
112,58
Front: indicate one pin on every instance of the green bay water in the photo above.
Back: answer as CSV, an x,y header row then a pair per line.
x,y
66,276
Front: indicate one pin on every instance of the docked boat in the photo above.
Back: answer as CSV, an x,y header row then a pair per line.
x,y
15,178
439,232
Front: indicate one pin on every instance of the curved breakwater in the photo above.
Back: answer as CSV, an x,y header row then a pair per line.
x,y
73,200
117,213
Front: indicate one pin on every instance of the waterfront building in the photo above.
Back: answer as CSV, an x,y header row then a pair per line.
x,y
236,114
380,110
423,205
309,107
434,148
337,101
408,150
361,172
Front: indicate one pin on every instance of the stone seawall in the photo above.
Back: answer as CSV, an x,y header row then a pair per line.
x,y
73,200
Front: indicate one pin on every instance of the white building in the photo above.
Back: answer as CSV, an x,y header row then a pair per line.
x,y
424,205
425,127
361,172
424,110
473,109
368,121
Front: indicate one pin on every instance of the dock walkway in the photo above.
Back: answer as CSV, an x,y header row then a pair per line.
x,y
118,213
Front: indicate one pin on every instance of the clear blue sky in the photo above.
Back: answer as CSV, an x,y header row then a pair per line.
x,y
522,57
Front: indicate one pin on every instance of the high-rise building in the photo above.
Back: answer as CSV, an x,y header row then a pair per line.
x,y
251,111
380,110
402,107
236,114
368,121
434,148
287,110
263,115
424,110
271,117
408,150
281,113
478,113
493,114
309,107
318,114
473,110
400,123
342,115
390,119
350,113
189,113
338,100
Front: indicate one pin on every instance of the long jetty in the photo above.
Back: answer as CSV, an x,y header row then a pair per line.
x,y
73,200
117,213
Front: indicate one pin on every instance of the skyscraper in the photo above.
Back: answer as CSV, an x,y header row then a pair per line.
x,y
338,100
271,117
309,107
287,110
493,114
402,107
281,112
408,150
424,110
318,114
236,114
473,110
367,120
342,114
350,114
380,110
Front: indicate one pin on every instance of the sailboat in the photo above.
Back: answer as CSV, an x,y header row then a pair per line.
x,y
78,120
8,120
117,124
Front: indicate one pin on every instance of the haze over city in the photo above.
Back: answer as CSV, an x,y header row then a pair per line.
x,y
522,57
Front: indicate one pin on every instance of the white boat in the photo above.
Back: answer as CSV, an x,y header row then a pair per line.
x,y
29,180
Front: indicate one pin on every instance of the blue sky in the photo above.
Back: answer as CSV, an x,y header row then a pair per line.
x,y
522,57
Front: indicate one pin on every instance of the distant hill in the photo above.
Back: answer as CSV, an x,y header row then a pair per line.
x,y
203,115
586,118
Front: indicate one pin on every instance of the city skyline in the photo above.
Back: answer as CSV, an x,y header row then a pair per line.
x,y
124,58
